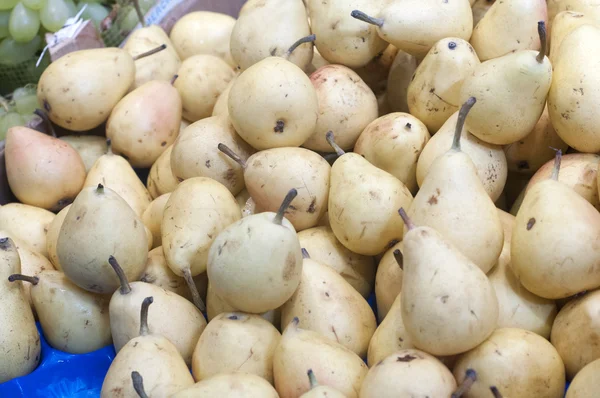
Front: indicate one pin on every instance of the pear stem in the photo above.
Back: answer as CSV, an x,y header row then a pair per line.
x,y
495,392
100,189
312,379
305,253
407,221
298,43
460,122
399,258
189,280
173,79
331,141
227,151
361,16
144,316
138,381
556,168
138,11
125,288
150,52
292,193
543,41
109,147
20,277
46,120
465,386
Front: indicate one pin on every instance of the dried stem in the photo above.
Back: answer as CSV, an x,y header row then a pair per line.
x,y
543,41
305,253
331,141
150,52
312,379
25,278
460,122
399,258
298,43
407,221
361,16
291,195
125,288
144,316
227,151
556,168
465,386
189,280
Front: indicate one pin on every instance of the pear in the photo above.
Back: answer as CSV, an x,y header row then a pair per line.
x,y
153,216
203,32
388,281
20,341
144,122
564,23
342,40
453,201
324,248
517,80
363,201
325,303
73,320
415,26
28,224
242,197
231,385
376,72
575,332
394,143
32,264
519,308
509,26
458,309
159,67
185,322
161,179
195,153
236,342
52,236
42,171
221,107
89,147
269,28
589,7
480,8
585,383
255,264
98,225
518,362
554,248
573,95
319,391
399,77
114,172
153,356
346,104
195,214
301,349
202,78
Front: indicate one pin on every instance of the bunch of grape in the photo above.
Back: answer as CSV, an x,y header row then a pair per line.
x,y
18,108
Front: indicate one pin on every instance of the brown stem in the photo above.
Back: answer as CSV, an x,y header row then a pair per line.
x,y
100,189
556,168
407,221
109,147
298,43
291,195
305,253
495,392
138,381
189,280
543,41
331,141
465,386
150,52
460,122
144,316
125,288
47,122
138,11
361,16
312,379
227,151
399,257
20,277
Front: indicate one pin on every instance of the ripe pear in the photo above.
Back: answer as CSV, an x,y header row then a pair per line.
x,y
554,248
388,281
415,26
301,349
28,224
98,225
586,383
324,248
589,7
195,153
153,356
453,201
346,105
144,122
394,143
434,91
161,179
231,385
89,147
575,332
448,304
159,67
42,171
518,362
73,320
221,107
509,26
564,23
269,28
236,342
521,79
519,308
19,338
255,264
153,216
319,391
574,95
363,204
52,236
480,8
203,32
342,40
185,322
401,73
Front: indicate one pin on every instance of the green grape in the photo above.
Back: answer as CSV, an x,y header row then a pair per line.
x,y
27,104
24,23
131,18
12,53
10,120
4,18
34,4
72,8
28,118
54,14
93,11
8,4
30,89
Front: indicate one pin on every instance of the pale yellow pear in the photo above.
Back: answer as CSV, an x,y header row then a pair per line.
x,y
153,216
161,179
401,72
32,264
89,147
480,8
52,236
28,224
388,281
228,385
588,7
221,106
564,23
586,383
319,391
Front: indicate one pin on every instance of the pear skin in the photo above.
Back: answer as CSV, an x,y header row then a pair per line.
x,y
588,7
28,224
32,264
221,106
388,281
161,179
89,147
480,8
228,385
564,23
153,216
585,383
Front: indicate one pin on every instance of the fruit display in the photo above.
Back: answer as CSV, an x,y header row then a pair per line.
x,y
361,199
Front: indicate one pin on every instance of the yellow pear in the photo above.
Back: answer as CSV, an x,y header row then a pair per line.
x,y
585,384
89,147
221,107
564,23
52,236
232,385
388,281
161,179
589,7
319,391
32,264
28,224
401,73
480,8
153,216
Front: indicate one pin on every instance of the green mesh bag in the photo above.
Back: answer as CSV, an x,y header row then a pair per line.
x,y
125,21
21,74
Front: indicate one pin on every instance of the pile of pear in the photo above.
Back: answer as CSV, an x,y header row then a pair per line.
x,y
439,154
